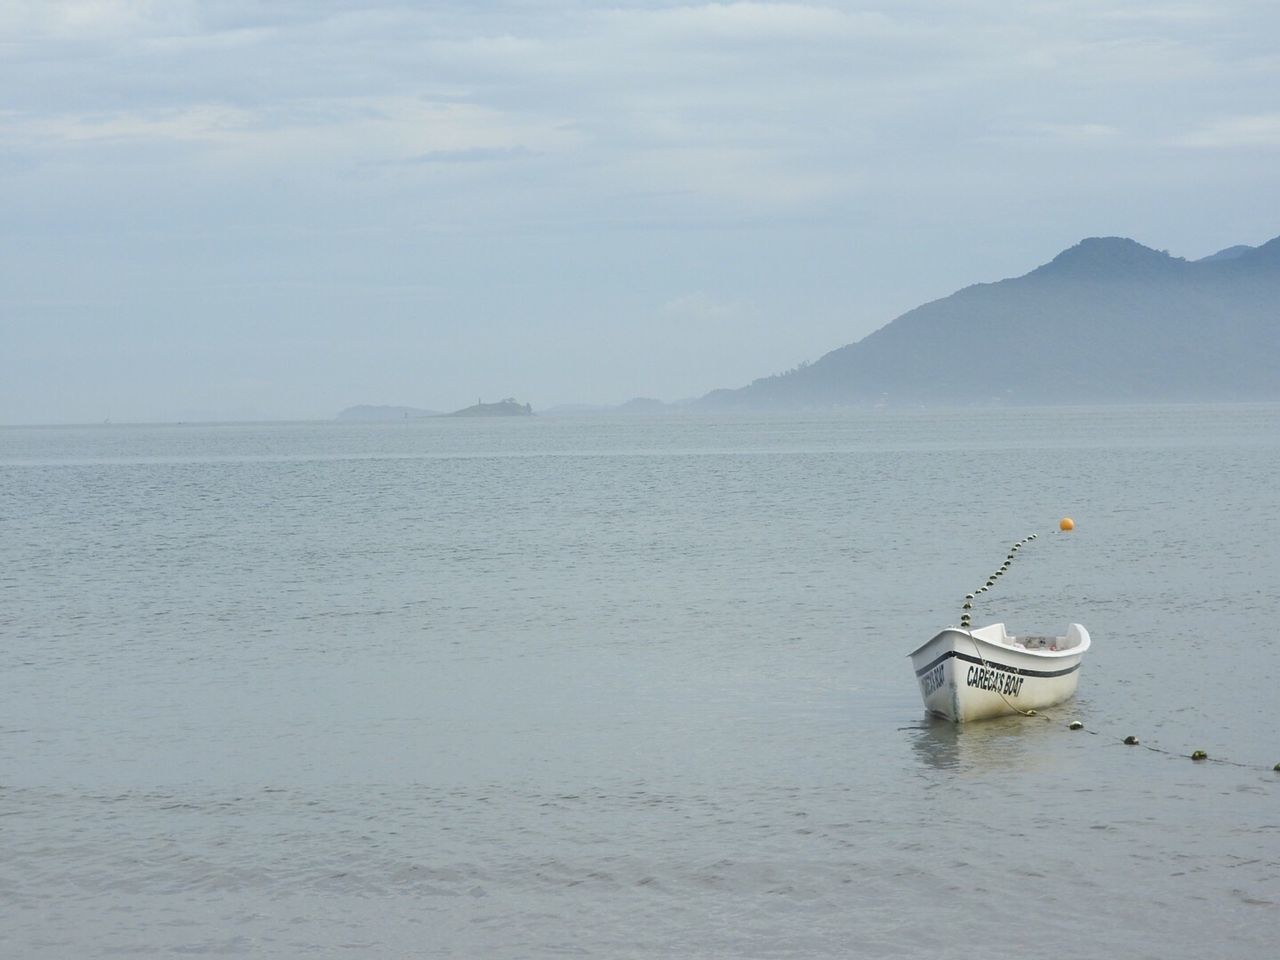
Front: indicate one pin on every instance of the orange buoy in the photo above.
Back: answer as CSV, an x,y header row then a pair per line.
x,y
1066,523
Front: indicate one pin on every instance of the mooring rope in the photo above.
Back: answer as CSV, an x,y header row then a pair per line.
x,y
1200,756
967,627
1065,524
1012,706
1197,755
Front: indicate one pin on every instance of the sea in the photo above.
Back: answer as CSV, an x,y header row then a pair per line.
x,y
635,687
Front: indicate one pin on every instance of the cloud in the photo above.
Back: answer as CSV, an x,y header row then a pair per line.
x,y
472,155
750,22
95,22
1235,133
755,178
1194,13
1073,134
337,132
712,110
699,306
199,123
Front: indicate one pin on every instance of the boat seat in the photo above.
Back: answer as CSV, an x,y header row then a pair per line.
x,y
1040,643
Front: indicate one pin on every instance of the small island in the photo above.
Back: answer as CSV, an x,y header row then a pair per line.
x,y
503,408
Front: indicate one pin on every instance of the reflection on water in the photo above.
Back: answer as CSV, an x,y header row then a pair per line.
x,y
986,744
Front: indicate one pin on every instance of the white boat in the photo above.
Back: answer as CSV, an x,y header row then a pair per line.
x,y
975,674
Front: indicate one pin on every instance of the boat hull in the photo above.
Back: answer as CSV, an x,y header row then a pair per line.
x,y
979,674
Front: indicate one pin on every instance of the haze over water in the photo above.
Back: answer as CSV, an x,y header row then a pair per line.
x,y
633,688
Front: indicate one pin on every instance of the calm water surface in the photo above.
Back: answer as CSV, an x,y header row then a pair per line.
x,y
633,688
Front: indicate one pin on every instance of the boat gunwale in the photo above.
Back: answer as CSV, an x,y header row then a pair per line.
x,y
1038,653
1021,671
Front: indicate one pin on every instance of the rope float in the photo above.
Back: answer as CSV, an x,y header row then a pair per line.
x,y
1066,524
1196,755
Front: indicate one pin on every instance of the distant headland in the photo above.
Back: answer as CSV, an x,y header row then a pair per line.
x,y
503,408
385,412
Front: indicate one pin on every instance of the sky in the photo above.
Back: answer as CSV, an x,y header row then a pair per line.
x,y
238,210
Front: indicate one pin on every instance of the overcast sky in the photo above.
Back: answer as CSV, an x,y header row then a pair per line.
x,y
244,210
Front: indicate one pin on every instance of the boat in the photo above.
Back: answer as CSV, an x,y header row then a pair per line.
x,y
975,674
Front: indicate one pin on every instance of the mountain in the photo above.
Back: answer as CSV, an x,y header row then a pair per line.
x,y
1108,320
1229,253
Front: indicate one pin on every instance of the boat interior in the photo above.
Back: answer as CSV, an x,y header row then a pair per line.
x,y
996,633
